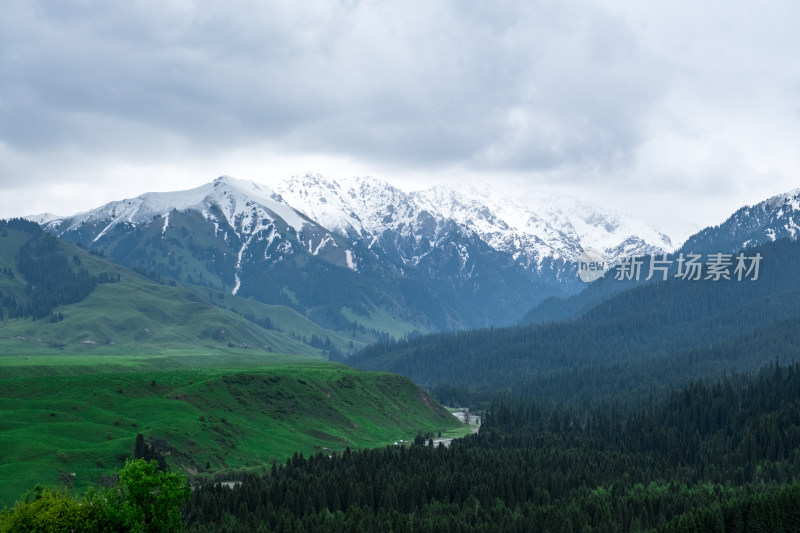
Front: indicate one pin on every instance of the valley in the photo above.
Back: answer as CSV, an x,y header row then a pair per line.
x,y
630,404
399,267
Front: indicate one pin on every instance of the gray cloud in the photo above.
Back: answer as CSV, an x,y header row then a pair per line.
x,y
372,79
640,96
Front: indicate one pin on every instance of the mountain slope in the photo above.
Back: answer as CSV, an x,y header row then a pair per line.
x,y
775,218
357,255
237,212
484,284
241,238
116,310
647,337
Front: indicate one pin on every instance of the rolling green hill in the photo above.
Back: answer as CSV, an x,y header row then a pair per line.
x,y
208,414
55,295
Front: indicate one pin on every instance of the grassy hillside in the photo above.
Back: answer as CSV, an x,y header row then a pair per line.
x,y
136,314
288,321
61,415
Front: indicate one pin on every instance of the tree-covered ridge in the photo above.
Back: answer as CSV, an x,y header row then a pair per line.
x,y
719,457
656,336
51,278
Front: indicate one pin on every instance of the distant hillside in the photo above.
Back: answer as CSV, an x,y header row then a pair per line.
x,y
55,295
647,338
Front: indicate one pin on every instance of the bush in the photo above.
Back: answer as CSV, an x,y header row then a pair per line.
x,y
144,499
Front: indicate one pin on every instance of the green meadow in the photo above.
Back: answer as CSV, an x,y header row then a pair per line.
x,y
199,373
74,418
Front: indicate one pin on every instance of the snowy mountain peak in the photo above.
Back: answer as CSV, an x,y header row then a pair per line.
x,y
775,218
242,200
790,200
244,206
601,228
359,206
443,257
44,218
547,228
453,229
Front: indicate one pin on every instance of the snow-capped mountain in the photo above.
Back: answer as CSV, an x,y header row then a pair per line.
x,y
244,238
376,213
551,229
243,205
357,207
242,213
775,218
346,251
417,239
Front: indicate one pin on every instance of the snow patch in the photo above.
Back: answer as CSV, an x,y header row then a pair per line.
x,y
322,243
238,283
792,227
351,264
112,223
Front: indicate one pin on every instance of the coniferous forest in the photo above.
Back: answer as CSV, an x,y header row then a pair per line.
x,y
633,346
52,278
721,456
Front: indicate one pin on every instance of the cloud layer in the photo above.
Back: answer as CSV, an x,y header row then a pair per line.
x,y
626,99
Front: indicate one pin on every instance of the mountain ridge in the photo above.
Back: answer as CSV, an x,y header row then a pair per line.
x,y
347,251
766,221
770,220
504,224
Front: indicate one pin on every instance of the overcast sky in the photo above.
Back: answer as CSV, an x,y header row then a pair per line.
x,y
677,112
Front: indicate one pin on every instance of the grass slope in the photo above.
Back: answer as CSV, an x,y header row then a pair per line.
x,y
80,414
138,315
288,321
380,320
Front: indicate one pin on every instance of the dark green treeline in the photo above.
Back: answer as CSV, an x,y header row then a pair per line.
x,y
712,457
